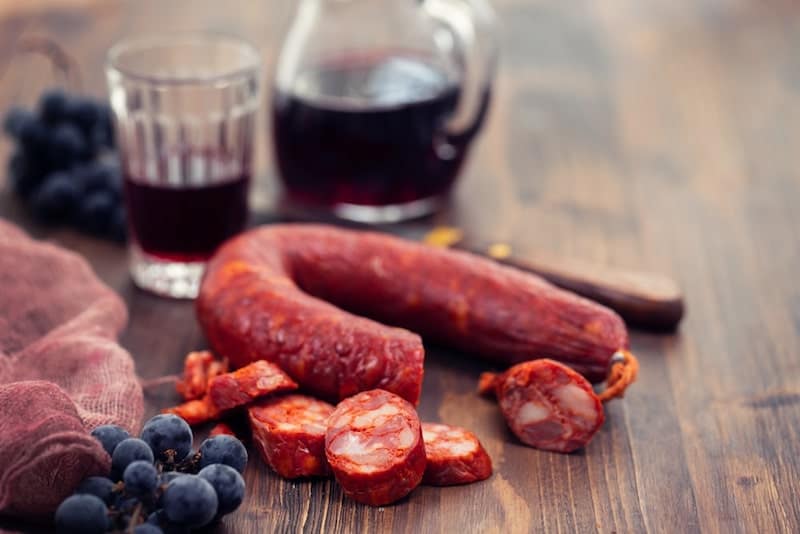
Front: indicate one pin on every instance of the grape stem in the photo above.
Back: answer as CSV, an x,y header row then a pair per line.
x,y
137,512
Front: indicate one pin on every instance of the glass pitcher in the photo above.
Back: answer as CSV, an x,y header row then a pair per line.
x,y
376,103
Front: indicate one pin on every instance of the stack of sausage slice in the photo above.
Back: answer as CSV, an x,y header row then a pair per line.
x,y
373,442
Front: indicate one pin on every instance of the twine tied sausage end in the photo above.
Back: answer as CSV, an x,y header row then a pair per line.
x,y
621,374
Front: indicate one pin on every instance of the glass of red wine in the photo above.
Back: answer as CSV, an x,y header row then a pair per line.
x,y
184,110
375,104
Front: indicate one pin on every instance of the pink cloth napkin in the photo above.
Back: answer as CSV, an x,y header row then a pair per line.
x,y
62,373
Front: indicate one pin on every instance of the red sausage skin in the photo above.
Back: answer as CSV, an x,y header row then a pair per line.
x,y
270,294
251,308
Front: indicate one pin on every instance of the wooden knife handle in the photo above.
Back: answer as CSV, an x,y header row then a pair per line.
x,y
645,300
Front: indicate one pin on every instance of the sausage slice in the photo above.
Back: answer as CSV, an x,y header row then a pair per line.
x,y
374,447
289,432
455,456
547,405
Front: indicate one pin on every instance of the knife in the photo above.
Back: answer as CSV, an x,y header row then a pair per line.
x,y
646,300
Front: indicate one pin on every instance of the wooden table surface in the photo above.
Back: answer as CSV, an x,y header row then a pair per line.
x,y
646,134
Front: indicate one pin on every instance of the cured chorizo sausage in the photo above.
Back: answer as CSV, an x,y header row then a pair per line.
x,y
270,293
374,447
289,432
546,404
198,368
260,378
251,308
454,456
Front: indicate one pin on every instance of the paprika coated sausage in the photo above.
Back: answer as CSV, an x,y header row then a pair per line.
x,y
270,293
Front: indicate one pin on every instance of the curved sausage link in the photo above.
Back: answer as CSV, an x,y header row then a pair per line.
x,y
256,302
547,405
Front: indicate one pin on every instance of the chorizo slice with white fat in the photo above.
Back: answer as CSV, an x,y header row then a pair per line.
x,y
375,448
547,405
289,432
454,455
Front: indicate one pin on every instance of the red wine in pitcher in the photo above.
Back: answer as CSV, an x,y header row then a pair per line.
x,y
368,131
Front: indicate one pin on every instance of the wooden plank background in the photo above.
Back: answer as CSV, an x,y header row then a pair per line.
x,y
647,134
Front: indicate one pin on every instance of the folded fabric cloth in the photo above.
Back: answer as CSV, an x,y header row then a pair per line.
x,y
62,373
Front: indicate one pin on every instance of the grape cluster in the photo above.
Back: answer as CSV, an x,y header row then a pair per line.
x,y
157,484
63,167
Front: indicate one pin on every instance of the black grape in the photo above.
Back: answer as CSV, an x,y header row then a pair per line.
x,y
127,452
67,146
53,105
14,120
100,487
169,436
95,213
109,436
140,478
223,449
84,112
82,514
159,519
55,199
25,174
190,501
227,483
33,138
65,135
98,176
163,481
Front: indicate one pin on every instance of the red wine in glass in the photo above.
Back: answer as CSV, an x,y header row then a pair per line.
x,y
185,224
369,131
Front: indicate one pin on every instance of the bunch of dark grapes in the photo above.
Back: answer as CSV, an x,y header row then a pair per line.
x,y
157,484
63,167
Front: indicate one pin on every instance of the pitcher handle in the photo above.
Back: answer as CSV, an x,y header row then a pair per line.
x,y
471,23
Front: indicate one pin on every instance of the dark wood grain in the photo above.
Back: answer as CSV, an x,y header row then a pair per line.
x,y
649,135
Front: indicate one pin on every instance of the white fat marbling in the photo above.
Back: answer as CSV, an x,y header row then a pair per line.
x,y
374,417
577,400
532,412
